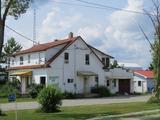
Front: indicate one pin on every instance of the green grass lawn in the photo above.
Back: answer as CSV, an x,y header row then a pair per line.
x,y
5,100
81,112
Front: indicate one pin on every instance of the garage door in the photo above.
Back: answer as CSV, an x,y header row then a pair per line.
x,y
124,86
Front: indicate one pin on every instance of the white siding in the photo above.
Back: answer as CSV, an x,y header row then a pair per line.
x,y
76,63
142,88
35,59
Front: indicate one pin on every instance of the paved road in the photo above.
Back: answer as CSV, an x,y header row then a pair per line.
x,y
77,102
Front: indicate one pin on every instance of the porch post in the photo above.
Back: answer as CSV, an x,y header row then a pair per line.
x,y
85,85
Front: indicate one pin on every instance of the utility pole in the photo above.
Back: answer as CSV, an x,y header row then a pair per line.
x,y
34,25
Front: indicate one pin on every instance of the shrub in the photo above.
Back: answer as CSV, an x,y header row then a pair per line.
x,y
102,91
153,99
0,112
8,89
34,90
50,99
68,95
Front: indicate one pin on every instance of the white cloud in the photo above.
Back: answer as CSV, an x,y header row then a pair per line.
x,y
89,33
124,38
53,24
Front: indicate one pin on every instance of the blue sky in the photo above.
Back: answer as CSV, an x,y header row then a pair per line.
x,y
112,31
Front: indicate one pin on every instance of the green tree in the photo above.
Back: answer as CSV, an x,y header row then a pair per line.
x,y
10,48
114,64
155,47
11,8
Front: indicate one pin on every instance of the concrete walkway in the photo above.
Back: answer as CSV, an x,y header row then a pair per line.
x,y
77,102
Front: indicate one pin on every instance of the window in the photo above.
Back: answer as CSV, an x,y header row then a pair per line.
x,y
66,57
70,80
42,80
12,62
108,83
53,80
114,83
139,83
29,58
87,59
107,62
97,80
103,61
21,60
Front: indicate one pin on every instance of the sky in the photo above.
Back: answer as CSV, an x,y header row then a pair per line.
x,y
115,32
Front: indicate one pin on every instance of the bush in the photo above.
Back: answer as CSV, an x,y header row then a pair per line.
x,y
34,90
9,88
0,112
68,95
50,98
153,99
102,91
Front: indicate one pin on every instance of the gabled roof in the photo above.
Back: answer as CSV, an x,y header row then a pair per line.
x,y
100,51
45,46
42,47
144,73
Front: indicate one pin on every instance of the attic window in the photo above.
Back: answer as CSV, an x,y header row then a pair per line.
x,y
87,59
66,57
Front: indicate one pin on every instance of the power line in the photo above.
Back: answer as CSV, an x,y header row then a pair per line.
x,y
100,6
20,34
73,4
114,8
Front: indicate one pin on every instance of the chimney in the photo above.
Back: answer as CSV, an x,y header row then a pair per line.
x,y
70,35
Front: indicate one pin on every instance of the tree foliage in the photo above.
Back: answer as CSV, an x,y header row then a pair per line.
x,y
11,47
11,8
16,7
155,47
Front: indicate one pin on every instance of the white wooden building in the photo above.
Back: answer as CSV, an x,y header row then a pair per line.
x,y
144,81
71,64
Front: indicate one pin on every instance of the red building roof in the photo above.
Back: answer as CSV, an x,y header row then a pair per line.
x,y
45,46
144,73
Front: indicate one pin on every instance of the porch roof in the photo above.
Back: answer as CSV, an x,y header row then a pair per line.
x,y
86,73
21,73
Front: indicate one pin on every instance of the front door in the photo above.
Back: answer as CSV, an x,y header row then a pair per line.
x,y
124,86
85,86
43,80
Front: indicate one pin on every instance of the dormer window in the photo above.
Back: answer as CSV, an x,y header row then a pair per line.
x,y
106,62
21,60
103,60
66,57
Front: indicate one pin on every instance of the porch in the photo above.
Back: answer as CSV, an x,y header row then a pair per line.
x,y
25,78
86,77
